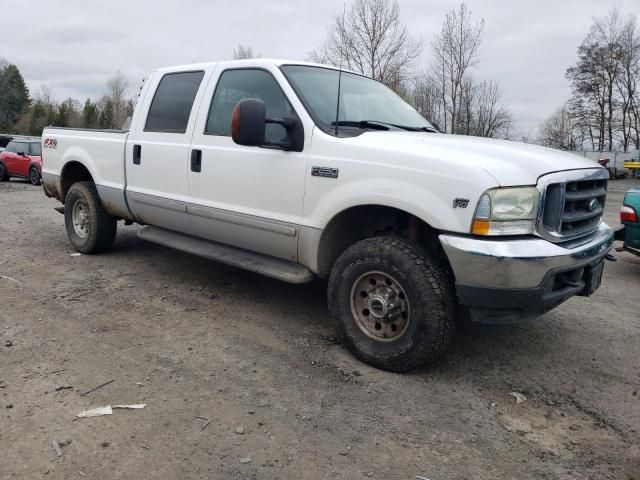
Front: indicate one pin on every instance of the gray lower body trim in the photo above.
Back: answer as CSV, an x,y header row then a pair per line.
x,y
114,202
308,246
243,220
159,211
263,235
51,185
154,201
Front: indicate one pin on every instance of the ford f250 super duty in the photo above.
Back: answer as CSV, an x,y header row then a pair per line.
x,y
297,170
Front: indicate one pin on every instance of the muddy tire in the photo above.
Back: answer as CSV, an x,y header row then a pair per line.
x,y
392,303
89,227
34,176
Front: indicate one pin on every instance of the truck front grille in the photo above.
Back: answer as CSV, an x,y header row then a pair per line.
x,y
572,208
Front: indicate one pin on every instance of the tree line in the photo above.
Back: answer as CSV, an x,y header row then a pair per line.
x,y
370,38
21,113
603,112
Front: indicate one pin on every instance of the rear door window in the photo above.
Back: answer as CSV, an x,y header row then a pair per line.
x,y
172,102
35,149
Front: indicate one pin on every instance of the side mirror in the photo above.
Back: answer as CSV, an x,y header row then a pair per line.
x,y
248,122
21,154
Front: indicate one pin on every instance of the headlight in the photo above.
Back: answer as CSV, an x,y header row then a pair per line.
x,y
506,211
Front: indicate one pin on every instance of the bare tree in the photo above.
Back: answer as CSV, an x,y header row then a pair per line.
x,y
594,77
492,117
455,50
560,131
427,99
243,52
482,111
117,86
628,84
371,39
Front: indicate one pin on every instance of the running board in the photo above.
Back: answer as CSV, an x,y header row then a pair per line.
x,y
273,267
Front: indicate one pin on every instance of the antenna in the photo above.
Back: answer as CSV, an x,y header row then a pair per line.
x,y
344,9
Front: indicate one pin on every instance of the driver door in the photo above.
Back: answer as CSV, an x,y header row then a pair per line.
x,y
248,197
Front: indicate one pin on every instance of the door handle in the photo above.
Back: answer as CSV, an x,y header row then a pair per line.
x,y
137,151
196,160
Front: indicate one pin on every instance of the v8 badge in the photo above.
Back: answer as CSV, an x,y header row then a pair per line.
x,y
460,202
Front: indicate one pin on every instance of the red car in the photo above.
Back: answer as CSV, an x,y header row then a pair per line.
x,y
22,159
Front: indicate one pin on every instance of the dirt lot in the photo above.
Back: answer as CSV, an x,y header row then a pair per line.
x,y
191,338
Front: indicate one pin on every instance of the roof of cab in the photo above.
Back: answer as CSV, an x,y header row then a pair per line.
x,y
251,62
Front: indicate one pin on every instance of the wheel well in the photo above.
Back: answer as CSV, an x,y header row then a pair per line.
x,y
366,221
73,172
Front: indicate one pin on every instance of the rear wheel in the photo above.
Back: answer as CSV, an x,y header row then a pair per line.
x,y
392,303
89,227
3,173
34,176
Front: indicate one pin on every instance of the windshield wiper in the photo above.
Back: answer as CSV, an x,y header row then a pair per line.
x,y
373,124
378,125
412,129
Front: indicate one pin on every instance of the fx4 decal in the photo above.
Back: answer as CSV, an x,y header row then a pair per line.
x,y
50,143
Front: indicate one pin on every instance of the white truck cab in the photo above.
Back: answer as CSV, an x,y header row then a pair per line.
x,y
297,170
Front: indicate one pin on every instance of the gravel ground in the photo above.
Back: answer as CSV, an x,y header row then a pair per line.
x,y
191,338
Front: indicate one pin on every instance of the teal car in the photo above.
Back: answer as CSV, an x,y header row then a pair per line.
x,y
629,233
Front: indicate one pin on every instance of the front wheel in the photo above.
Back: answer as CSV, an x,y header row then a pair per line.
x,y
3,173
89,227
392,303
34,176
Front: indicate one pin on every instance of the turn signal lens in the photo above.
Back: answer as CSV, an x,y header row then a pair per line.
x,y
628,214
480,227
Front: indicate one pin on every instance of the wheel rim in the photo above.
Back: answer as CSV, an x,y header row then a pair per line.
x,y
380,306
80,218
34,176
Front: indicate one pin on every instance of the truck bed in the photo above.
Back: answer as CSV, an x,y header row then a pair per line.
x,y
102,152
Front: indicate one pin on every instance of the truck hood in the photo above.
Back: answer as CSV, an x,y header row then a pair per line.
x,y
509,163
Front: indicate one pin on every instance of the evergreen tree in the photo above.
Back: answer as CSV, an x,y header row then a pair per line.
x,y
62,116
89,114
14,96
106,115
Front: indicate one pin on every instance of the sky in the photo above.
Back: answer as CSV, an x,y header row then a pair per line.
x,y
73,46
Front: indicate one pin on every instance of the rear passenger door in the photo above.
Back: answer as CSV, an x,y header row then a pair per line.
x,y
157,151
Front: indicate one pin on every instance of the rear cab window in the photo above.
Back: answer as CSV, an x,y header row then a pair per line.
x,y
173,101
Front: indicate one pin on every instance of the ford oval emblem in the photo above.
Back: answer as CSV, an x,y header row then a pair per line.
x,y
593,205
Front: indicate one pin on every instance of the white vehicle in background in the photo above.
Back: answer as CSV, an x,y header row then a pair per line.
x,y
243,162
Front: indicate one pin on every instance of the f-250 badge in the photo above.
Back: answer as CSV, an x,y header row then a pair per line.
x,y
460,202
326,172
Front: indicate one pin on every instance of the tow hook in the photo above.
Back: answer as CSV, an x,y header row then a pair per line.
x,y
611,257
59,210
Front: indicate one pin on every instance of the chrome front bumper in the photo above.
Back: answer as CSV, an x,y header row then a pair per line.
x,y
519,263
504,281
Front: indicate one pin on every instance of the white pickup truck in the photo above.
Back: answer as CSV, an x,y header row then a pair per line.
x,y
296,170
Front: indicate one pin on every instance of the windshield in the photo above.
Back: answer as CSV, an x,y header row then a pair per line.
x,y
361,99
